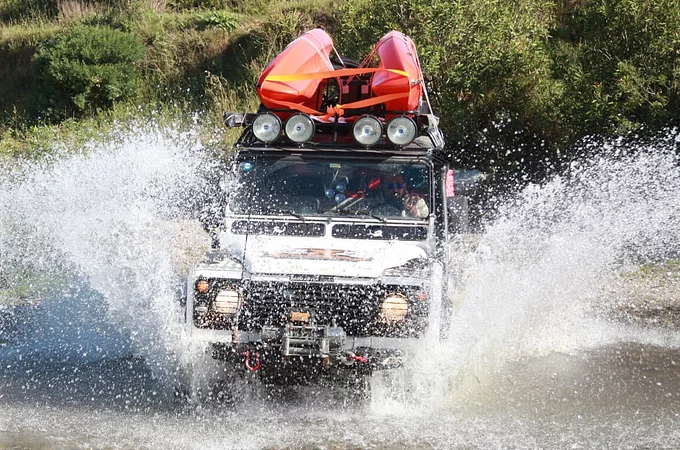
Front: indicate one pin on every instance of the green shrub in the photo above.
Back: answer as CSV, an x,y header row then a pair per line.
x,y
516,80
487,60
220,19
619,61
87,69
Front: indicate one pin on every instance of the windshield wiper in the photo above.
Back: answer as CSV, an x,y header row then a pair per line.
x,y
381,219
349,213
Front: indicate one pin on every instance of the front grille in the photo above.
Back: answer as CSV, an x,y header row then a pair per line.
x,y
361,231
353,307
278,228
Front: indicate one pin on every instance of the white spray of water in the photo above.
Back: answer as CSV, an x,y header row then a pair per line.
x,y
110,218
534,283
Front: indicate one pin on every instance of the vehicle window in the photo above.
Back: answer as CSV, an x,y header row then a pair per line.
x,y
323,187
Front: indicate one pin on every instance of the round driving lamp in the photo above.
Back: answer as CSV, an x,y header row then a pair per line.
x,y
267,127
227,302
401,131
393,308
367,130
299,128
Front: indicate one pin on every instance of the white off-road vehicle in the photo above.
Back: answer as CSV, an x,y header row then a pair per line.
x,y
323,268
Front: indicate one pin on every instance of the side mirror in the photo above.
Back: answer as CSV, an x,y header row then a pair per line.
x,y
462,185
233,120
468,181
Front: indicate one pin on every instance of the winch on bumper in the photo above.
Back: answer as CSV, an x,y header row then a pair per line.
x,y
307,350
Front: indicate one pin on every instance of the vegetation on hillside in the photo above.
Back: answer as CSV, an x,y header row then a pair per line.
x,y
516,82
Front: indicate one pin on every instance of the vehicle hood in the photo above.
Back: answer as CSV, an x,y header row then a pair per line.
x,y
327,257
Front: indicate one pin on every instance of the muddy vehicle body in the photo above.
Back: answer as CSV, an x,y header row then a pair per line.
x,y
319,272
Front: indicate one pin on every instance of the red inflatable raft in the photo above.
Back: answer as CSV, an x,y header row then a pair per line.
x,y
310,53
296,78
397,51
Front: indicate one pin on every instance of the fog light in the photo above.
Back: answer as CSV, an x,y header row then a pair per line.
x,y
300,128
267,127
227,302
367,130
401,131
394,308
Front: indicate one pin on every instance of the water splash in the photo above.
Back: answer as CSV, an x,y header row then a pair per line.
x,y
102,236
533,285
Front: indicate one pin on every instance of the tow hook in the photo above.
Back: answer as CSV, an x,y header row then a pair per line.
x,y
252,362
352,358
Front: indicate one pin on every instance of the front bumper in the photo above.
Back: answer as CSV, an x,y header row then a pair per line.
x,y
227,337
306,349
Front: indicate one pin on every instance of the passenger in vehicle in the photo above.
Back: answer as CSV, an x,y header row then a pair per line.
x,y
395,193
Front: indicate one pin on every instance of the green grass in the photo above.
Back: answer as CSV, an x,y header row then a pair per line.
x,y
195,61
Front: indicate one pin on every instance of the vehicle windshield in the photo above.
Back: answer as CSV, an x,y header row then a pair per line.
x,y
304,186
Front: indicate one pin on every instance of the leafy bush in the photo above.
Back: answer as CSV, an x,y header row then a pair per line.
x,y
619,61
87,69
487,59
516,80
221,19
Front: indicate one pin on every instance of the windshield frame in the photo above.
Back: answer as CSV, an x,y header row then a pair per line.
x,y
343,210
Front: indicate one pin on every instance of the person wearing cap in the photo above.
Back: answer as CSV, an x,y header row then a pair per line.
x,y
394,192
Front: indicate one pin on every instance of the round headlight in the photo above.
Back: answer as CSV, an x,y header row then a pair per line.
x,y
401,131
393,308
267,127
227,302
367,130
300,128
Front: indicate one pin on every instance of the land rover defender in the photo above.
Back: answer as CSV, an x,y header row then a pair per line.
x,y
320,270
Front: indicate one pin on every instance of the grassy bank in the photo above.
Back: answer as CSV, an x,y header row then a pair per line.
x,y
194,58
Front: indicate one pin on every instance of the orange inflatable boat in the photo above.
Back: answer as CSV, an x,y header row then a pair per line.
x,y
397,51
309,53
296,79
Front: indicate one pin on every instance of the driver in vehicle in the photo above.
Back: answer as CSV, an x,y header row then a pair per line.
x,y
395,193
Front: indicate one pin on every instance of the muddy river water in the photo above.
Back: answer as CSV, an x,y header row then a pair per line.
x,y
618,396
549,348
